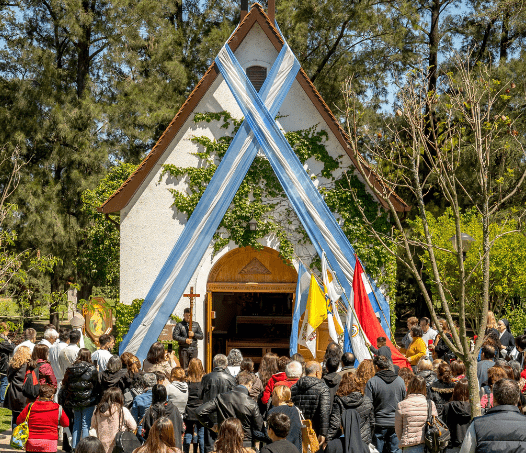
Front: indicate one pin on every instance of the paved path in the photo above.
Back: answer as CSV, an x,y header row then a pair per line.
x,y
4,443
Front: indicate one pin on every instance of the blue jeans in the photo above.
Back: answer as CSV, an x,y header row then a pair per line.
x,y
81,424
190,436
385,439
3,388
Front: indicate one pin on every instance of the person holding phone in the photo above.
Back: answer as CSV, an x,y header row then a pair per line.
x,y
187,338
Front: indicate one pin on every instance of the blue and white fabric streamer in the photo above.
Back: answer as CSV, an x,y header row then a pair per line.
x,y
258,131
302,295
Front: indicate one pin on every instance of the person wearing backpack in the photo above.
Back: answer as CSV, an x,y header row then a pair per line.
x,y
411,416
43,418
110,417
39,360
16,373
80,392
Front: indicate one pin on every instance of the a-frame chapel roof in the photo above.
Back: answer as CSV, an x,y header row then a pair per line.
x,y
256,15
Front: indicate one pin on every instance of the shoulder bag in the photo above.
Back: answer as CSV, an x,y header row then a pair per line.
x,y
125,441
309,440
436,434
21,433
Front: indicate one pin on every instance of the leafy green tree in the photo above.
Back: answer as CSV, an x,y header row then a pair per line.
x,y
99,262
507,284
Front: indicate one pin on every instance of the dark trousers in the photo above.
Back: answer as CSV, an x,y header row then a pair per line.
x,y
385,440
185,355
210,438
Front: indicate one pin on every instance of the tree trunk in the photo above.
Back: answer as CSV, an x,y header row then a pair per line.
x,y
434,39
505,37
53,308
474,395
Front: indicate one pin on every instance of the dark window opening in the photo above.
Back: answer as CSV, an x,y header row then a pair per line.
x,y
257,75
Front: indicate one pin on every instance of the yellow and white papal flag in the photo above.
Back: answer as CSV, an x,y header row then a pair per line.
x,y
315,314
333,292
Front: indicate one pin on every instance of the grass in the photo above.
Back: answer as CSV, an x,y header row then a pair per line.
x,y
5,419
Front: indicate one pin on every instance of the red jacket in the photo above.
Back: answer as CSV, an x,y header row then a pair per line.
x,y
278,377
43,420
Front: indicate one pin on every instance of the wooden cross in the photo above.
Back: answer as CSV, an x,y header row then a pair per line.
x,y
192,297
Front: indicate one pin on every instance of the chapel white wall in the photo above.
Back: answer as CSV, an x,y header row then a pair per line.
x,y
150,226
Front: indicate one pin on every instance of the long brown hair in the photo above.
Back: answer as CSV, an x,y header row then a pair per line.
x,y
195,370
268,367
161,438
461,391
350,383
131,363
156,354
112,396
365,370
40,352
84,355
230,437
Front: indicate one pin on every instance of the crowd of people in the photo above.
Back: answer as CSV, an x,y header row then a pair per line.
x,y
88,399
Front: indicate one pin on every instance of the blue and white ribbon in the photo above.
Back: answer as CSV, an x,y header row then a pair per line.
x,y
197,234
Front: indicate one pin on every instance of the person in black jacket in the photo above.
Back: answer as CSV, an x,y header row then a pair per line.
x,y
115,376
193,427
162,408
14,398
441,390
234,404
312,397
213,384
6,349
187,339
278,430
457,414
80,392
332,378
350,395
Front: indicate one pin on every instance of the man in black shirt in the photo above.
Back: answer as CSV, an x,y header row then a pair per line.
x,y
187,339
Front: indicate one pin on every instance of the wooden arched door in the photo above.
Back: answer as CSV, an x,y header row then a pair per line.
x,y
249,290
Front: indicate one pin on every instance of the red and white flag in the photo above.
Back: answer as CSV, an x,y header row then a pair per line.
x,y
365,313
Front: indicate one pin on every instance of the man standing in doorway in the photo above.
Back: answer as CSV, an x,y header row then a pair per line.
x,y
187,338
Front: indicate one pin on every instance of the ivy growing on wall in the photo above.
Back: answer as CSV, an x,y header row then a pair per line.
x,y
262,198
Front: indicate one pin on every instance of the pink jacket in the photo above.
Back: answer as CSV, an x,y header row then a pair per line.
x,y
410,419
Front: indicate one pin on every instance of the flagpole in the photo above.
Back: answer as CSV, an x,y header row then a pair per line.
x,y
379,306
351,306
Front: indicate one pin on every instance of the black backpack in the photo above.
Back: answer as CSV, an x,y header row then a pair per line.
x,y
436,435
125,441
31,386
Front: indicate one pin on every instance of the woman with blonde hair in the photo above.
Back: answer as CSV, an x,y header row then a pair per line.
x,y
491,323
282,403
195,432
161,438
14,398
230,438
425,369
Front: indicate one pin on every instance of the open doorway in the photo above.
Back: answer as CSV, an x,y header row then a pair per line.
x,y
254,322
